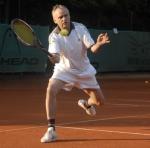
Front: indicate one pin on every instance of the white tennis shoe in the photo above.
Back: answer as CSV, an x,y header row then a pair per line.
x,y
89,110
49,136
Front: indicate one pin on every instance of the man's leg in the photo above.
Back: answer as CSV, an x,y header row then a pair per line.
x,y
54,86
96,97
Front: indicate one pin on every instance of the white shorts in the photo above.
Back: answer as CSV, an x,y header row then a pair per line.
x,y
73,80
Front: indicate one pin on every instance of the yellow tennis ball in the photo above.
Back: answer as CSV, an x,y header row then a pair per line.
x,y
64,32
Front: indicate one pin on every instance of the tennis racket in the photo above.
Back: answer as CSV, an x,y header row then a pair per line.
x,y
26,35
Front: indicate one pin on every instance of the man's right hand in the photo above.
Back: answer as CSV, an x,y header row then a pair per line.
x,y
54,58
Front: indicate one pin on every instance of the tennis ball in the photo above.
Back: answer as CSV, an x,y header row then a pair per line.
x,y
115,30
64,32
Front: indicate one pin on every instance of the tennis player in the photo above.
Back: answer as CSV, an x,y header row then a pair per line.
x,y
72,66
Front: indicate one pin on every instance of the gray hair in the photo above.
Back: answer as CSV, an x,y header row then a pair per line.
x,y
58,6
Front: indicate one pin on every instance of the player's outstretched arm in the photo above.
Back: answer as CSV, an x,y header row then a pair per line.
x,y
102,39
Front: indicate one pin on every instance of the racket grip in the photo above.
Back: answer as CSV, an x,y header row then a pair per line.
x,y
49,54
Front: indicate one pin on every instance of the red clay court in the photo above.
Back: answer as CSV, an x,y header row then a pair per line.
x,y
123,122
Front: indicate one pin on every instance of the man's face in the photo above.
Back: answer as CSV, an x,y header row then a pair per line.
x,y
61,17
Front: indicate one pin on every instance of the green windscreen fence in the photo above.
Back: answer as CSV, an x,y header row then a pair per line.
x,y
15,57
128,51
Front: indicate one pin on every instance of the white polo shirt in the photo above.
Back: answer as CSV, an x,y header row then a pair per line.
x,y
73,50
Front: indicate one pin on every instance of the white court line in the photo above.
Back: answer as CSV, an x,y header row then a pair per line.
x,y
132,100
106,131
21,129
85,129
127,104
134,104
102,119
122,104
138,92
76,128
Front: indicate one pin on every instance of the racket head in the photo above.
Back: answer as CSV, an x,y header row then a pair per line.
x,y
24,32
26,35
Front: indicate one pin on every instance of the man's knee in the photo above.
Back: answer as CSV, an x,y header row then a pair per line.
x,y
51,88
54,86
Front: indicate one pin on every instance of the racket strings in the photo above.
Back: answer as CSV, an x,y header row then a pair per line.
x,y
24,33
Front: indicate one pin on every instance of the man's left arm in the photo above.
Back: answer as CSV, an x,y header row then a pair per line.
x,y
101,40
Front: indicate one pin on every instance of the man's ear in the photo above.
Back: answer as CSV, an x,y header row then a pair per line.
x,y
54,20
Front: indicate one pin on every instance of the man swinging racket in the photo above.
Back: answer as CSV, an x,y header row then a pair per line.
x,y
69,43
